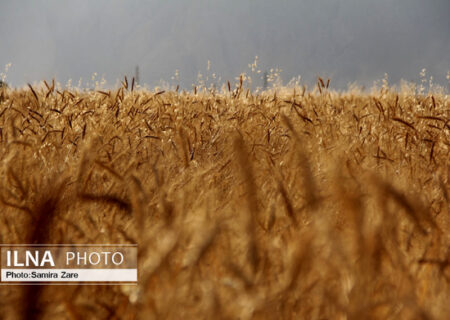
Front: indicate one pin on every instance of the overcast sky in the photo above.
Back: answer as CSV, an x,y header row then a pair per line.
x,y
347,40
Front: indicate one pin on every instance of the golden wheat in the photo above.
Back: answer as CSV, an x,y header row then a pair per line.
x,y
277,205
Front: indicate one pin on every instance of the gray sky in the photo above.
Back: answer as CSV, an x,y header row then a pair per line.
x,y
348,40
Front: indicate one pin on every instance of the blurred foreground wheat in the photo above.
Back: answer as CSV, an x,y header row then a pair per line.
x,y
277,205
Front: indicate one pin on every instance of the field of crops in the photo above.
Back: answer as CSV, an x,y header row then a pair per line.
x,y
283,204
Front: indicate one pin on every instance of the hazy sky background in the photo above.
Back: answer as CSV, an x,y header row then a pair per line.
x,y
348,40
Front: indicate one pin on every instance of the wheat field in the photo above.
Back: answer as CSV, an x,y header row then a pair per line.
x,y
282,204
